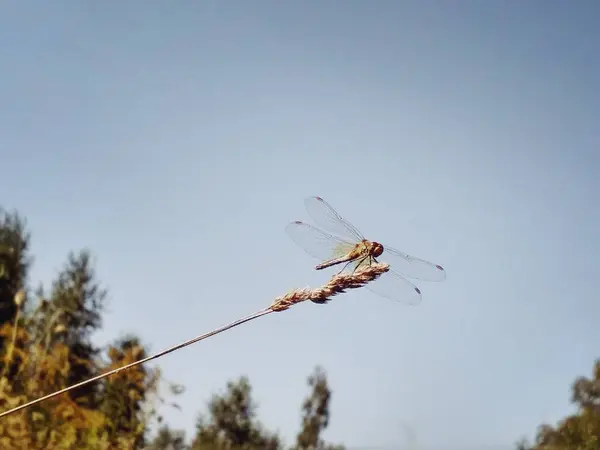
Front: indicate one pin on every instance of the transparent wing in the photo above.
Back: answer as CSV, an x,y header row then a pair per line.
x,y
393,286
326,217
317,243
412,266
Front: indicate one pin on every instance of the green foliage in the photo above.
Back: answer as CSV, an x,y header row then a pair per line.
x,y
76,303
168,439
123,397
14,262
580,431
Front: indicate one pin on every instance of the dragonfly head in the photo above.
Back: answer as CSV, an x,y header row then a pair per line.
x,y
376,249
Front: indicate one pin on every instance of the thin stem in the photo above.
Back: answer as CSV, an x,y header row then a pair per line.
x,y
338,284
256,315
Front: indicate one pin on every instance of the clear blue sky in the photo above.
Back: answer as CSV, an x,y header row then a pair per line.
x,y
177,140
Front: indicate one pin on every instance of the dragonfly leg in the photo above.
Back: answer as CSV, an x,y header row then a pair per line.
x,y
360,262
344,268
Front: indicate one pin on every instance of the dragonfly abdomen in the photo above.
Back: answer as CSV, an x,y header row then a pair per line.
x,y
333,262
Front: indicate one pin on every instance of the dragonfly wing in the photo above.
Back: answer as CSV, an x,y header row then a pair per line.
x,y
317,243
394,286
412,266
326,217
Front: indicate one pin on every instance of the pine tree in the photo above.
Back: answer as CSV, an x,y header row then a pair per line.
x,y
232,424
77,302
14,262
315,414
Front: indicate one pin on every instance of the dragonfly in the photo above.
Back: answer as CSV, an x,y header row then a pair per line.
x,y
337,241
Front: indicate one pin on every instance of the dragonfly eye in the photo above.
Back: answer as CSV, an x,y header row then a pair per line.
x,y
377,249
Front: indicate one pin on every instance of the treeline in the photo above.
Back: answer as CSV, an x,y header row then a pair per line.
x,y
580,431
46,345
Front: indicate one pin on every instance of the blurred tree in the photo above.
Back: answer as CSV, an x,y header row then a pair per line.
x,y
315,415
14,262
168,439
124,394
74,313
580,431
232,424
523,444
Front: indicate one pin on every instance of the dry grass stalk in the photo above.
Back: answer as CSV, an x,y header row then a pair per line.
x,y
337,284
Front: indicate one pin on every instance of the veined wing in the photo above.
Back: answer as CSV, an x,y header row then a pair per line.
x,y
317,243
412,266
326,217
393,286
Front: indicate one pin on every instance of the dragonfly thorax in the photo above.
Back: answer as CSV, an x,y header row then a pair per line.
x,y
375,248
